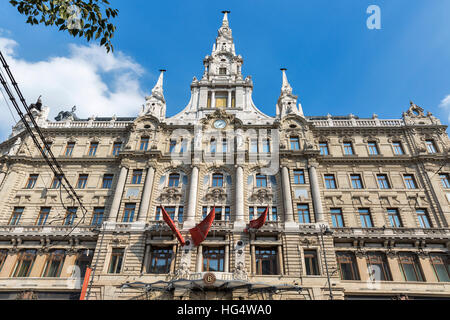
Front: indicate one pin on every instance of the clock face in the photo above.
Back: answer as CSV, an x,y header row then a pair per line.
x,y
220,124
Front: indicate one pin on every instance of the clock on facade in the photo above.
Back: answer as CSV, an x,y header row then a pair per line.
x,y
220,124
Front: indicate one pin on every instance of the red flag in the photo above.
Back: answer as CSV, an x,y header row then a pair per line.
x,y
258,223
200,232
172,226
85,283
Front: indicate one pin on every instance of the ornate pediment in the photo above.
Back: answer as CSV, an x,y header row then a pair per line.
x,y
216,194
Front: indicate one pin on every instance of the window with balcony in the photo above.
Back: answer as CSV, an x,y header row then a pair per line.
x,y
410,267
394,218
128,213
266,260
144,143
93,149
82,181
97,217
311,263
410,182
69,149
424,219
347,266
365,217
24,263
117,147
43,216
174,180
16,216
31,183
299,177
431,146
324,151
441,266
160,260
445,180
213,259
348,149
383,181
107,181
398,148
378,267
217,180
115,265
295,143
337,219
303,213
356,181
137,177
54,264
70,216
330,182
373,148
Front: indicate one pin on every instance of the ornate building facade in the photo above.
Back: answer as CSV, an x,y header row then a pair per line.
x,y
358,208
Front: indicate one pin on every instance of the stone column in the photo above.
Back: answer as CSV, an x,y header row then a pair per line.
x,y
394,268
198,267
361,262
147,258
118,195
172,263
227,259
38,266
287,199
68,266
8,266
213,99
239,197
192,202
280,260
253,259
146,194
2,177
427,268
229,100
315,190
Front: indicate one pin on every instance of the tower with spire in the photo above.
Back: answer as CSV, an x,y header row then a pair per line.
x,y
155,104
287,102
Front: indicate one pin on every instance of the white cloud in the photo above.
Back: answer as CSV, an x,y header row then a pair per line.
x,y
445,103
96,82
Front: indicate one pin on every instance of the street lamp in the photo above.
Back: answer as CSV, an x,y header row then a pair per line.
x,y
324,230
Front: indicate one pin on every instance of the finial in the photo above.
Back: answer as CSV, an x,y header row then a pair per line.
x,y
225,17
286,88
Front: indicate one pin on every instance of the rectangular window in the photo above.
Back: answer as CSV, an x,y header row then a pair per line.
x,y
82,181
227,213
128,214
347,266
266,146
31,181
205,212
213,146
266,261
311,263
274,214
224,145
330,182
424,220
356,181
221,99
366,219
251,213
218,216
69,149
49,144
137,177
410,181
16,216
323,146
116,148
295,143
222,71
54,264
254,146
84,260
394,218
431,147
158,214
160,260
93,149
261,181
303,213
43,216
24,264
171,212
398,148
115,265
299,177
217,180
441,266
445,180
213,259
348,149
410,267
337,218
378,267
180,214
172,146
97,216
174,180
107,181
383,181
373,148
144,143
70,216
56,183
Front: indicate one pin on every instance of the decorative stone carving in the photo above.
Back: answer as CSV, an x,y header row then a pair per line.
x,y
183,272
171,194
67,115
216,194
240,273
262,195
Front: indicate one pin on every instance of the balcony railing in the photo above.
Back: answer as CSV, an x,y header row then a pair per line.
x,y
436,232
359,123
54,230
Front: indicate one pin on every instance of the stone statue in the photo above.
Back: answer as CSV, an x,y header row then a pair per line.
x,y
67,115
183,272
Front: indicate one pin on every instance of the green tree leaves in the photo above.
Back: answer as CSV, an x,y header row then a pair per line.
x,y
90,19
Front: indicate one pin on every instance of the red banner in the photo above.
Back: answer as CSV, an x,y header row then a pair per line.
x,y
172,226
85,283
200,232
258,223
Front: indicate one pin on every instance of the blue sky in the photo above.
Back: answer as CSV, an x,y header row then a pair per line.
x,y
335,63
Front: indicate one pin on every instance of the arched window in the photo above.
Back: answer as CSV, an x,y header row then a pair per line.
x,y
217,180
174,180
